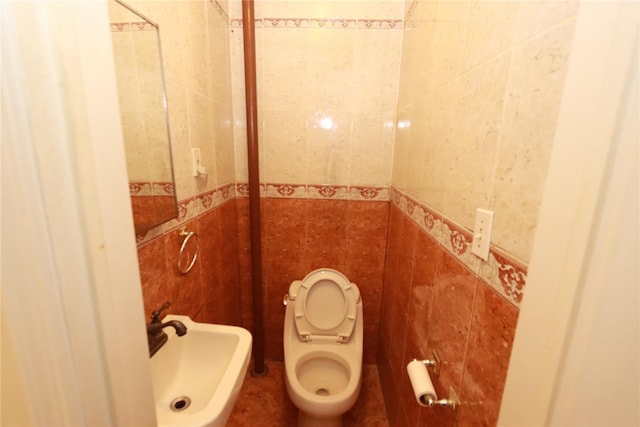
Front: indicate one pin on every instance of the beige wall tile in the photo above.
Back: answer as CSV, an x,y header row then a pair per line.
x,y
328,137
531,108
283,147
482,100
371,149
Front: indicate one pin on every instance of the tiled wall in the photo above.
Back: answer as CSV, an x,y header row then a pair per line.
x,y
327,77
301,234
432,301
479,98
478,90
196,56
479,94
209,291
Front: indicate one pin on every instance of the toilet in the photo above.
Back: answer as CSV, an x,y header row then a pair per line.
x,y
323,347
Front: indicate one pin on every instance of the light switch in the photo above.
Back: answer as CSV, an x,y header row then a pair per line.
x,y
482,233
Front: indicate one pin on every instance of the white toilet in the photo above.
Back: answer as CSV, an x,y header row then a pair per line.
x,y
323,347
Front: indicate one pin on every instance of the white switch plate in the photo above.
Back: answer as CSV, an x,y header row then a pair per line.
x,y
482,233
196,157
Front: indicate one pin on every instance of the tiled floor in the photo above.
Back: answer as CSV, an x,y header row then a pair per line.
x,y
264,402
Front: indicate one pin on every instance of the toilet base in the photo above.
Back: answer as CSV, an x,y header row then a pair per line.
x,y
306,420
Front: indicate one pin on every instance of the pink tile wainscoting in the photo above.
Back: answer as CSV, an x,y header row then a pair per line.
x,y
420,289
433,301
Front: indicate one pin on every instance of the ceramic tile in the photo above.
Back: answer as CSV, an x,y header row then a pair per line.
x,y
273,342
536,17
153,274
284,147
423,292
265,401
455,291
371,149
185,294
532,103
328,138
210,262
326,232
369,409
284,229
370,344
490,343
277,277
475,141
193,15
334,192
490,30
222,137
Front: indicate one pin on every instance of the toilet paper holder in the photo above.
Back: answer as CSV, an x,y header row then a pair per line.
x,y
453,401
433,363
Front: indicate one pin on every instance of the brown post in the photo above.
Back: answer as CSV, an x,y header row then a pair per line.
x,y
248,31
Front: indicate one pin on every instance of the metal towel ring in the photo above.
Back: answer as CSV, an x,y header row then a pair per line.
x,y
187,235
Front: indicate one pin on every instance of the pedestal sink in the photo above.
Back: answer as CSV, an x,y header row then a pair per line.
x,y
197,377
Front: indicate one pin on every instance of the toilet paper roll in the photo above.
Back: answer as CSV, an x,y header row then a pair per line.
x,y
421,382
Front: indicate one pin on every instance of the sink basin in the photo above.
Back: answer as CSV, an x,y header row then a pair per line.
x,y
197,377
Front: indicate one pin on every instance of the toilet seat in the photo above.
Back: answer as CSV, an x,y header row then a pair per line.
x,y
325,306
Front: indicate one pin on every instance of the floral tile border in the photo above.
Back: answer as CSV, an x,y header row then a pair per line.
x,y
505,274
317,191
151,188
189,209
327,23
121,27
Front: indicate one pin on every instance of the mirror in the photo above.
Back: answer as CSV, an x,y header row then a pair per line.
x,y
143,110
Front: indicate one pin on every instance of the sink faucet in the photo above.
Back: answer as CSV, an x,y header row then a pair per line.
x,y
155,335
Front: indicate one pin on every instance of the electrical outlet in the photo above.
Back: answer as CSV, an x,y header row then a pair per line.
x,y
196,157
482,233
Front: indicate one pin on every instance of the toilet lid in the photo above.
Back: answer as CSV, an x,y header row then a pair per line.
x,y
325,305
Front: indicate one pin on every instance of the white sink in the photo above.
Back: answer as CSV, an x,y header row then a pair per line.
x,y
206,366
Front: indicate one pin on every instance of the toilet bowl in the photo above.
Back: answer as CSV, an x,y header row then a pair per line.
x,y
323,347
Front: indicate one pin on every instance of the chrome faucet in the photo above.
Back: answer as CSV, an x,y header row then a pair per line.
x,y
156,337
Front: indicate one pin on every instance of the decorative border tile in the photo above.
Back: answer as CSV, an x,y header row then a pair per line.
x,y
504,273
121,27
334,23
151,189
379,24
335,192
324,191
191,208
285,23
324,23
199,204
284,190
242,190
368,193
511,275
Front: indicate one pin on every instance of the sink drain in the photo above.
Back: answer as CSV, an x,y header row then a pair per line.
x,y
180,403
